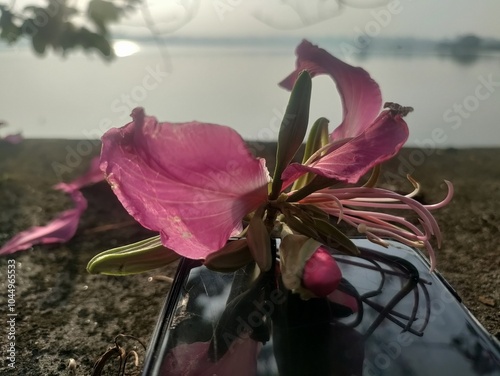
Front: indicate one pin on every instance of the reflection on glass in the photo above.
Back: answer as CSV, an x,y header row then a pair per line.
x,y
396,319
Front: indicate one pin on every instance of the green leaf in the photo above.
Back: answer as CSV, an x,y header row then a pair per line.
x,y
317,182
233,256
334,238
133,258
39,43
10,31
293,128
102,12
297,224
313,224
318,137
315,212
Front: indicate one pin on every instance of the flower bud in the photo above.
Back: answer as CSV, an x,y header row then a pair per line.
x,y
321,273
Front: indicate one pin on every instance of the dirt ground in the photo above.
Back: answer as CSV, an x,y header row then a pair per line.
x,y
65,313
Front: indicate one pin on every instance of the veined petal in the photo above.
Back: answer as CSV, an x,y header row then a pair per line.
x,y
192,182
360,94
351,161
59,230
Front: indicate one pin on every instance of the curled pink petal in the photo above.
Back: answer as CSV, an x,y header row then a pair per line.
x,y
349,162
193,182
92,176
360,94
59,230
321,275
64,226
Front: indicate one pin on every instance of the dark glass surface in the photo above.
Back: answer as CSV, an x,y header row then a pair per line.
x,y
426,332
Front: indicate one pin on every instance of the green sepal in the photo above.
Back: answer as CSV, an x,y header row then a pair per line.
x,y
258,241
233,256
293,128
317,183
133,258
334,237
318,137
299,226
295,251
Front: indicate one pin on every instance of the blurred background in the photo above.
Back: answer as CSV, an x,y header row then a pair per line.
x,y
73,69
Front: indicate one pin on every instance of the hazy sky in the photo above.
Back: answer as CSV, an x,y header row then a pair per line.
x,y
436,19
82,96
418,18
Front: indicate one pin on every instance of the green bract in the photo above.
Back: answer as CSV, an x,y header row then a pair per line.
x,y
132,258
293,128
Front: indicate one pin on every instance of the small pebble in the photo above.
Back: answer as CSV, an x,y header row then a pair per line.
x,y
71,366
487,301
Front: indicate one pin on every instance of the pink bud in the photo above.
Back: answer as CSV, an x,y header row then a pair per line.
x,y
321,273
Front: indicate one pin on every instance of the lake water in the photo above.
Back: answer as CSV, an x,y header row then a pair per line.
x,y
456,105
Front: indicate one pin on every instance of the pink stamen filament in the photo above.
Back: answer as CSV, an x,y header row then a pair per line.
x,y
343,203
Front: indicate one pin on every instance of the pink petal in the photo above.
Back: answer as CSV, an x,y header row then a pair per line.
x,y
321,275
59,230
92,176
360,94
192,360
193,182
64,226
351,161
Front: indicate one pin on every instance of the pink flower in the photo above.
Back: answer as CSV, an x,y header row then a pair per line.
x,y
366,136
195,183
321,275
192,182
